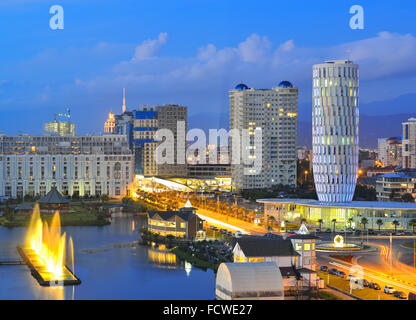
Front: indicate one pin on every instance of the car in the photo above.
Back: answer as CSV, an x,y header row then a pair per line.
x,y
328,230
238,234
365,283
374,285
341,274
400,234
412,296
389,289
399,294
213,228
223,231
332,271
324,268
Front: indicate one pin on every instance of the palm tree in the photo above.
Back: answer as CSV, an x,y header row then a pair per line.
x,y
350,221
413,224
379,222
364,221
272,219
320,221
395,223
303,220
286,224
334,221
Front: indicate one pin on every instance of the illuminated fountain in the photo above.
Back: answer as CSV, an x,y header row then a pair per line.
x,y
337,246
47,253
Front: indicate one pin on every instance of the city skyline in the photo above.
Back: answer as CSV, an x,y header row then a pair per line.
x,y
166,63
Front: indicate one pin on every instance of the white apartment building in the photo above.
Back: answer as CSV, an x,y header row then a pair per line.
x,y
275,111
409,144
80,165
390,151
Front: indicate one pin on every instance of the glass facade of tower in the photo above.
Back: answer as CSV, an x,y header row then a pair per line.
x,y
335,130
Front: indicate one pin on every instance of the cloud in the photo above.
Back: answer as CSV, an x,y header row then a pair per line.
x,y
87,78
149,48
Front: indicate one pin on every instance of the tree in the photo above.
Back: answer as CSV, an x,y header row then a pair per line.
x,y
407,197
364,221
379,222
413,224
334,221
320,221
286,224
395,223
350,221
303,220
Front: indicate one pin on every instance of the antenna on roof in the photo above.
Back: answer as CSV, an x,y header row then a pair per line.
x,y
348,51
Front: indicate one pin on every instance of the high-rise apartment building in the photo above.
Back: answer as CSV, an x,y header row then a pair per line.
x,y
61,125
335,130
168,118
409,143
81,165
275,111
390,151
145,124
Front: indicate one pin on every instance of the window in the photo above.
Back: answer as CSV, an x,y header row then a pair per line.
x,y
298,246
307,247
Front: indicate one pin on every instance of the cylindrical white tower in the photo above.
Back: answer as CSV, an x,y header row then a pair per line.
x,y
335,130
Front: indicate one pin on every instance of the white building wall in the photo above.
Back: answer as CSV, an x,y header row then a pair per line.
x,y
335,130
275,112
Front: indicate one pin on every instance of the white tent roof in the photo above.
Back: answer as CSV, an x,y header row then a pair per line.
x,y
249,277
303,229
188,204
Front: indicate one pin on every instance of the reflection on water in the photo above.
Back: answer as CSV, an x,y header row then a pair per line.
x,y
130,272
162,257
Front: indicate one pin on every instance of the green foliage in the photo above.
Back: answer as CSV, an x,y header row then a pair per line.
x,y
365,193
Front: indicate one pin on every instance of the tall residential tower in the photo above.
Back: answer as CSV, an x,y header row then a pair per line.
x,y
335,130
275,111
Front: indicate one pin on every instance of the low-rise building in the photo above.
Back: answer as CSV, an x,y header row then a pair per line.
x,y
296,266
182,223
393,186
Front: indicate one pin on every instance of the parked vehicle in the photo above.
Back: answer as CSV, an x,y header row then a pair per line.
x,y
328,230
374,285
238,234
341,274
399,294
389,290
324,268
223,231
213,228
365,283
332,271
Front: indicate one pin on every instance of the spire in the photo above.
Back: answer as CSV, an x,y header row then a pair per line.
x,y
124,108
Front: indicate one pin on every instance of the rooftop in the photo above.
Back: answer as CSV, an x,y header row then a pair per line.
x,y
266,247
388,205
168,215
54,197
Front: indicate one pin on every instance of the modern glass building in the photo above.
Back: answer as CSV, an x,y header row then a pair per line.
x,y
335,130
343,215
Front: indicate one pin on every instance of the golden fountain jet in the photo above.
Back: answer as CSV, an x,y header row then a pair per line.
x,y
45,252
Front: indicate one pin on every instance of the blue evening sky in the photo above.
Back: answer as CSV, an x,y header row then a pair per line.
x,y
190,52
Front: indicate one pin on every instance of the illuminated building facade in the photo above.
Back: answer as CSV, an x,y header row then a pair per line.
x,y
110,124
81,165
409,144
346,215
183,223
275,111
335,130
390,151
61,125
393,186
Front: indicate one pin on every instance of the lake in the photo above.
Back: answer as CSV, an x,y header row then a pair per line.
x,y
108,268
